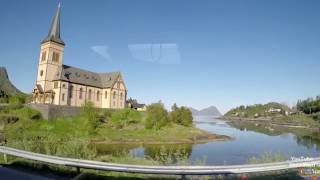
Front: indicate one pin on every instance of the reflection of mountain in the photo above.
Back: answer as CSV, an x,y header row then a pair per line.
x,y
209,111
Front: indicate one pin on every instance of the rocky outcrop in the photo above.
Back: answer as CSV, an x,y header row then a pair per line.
x,y
6,87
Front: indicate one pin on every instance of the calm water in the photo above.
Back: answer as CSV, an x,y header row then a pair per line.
x,y
246,144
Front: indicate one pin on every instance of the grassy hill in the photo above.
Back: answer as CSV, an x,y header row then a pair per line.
x,y
258,110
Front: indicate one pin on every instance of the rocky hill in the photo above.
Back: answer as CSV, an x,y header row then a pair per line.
x,y
6,87
209,111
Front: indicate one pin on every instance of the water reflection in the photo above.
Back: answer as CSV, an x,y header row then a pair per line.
x,y
168,153
310,141
250,140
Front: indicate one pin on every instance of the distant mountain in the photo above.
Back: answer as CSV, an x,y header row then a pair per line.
x,y
6,87
209,111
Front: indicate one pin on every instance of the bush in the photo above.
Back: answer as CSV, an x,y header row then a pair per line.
x,y
8,118
157,116
122,118
17,99
28,113
182,115
316,116
90,114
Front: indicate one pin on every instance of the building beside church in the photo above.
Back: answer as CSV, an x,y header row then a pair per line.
x,y
60,84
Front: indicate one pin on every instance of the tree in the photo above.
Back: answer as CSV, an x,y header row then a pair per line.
x,y
157,116
182,115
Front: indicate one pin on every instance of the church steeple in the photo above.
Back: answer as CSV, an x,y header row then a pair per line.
x,y
54,31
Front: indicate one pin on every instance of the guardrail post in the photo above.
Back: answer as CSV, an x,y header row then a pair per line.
x,y
5,158
183,177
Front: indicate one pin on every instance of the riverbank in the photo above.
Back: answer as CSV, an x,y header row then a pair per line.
x,y
77,136
291,121
301,127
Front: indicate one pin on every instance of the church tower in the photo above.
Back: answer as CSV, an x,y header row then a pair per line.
x,y
51,56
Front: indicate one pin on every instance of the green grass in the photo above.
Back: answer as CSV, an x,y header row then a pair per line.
x,y
137,133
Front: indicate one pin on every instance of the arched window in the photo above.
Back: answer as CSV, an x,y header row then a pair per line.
x,y
98,95
114,95
90,94
106,94
41,73
71,91
80,94
121,96
63,97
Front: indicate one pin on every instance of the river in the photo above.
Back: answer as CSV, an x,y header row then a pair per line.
x,y
245,144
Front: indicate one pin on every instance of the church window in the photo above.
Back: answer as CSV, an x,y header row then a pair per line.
x,y
55,57
55,85
64,85
121,96
62,97
43,56
114,94
70,91
98,95
90,94
41,73
80,94
106,94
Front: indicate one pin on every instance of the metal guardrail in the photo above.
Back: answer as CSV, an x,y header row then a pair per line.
x,y
167,170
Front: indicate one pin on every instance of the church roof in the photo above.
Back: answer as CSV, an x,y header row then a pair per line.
x,y
84,77
54,31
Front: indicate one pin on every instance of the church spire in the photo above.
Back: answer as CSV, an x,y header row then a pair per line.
x,y
54,32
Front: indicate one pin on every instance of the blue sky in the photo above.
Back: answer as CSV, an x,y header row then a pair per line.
x,y
195,53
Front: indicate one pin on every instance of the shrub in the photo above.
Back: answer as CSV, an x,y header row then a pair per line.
x,y
90,114
122,118
8,118
182,115
17,99
28,113
157,116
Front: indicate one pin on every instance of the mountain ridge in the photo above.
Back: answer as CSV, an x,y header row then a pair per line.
x,y
6,86
209,111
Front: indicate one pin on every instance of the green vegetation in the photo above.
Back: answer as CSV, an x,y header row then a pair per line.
x,y
259,110
78,137
311,107
305,114
181,115
158,116
266,157
4,98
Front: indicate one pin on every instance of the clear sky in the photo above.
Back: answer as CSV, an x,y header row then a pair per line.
x,y
195,53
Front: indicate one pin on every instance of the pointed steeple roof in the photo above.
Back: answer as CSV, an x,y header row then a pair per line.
x,y
54,31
